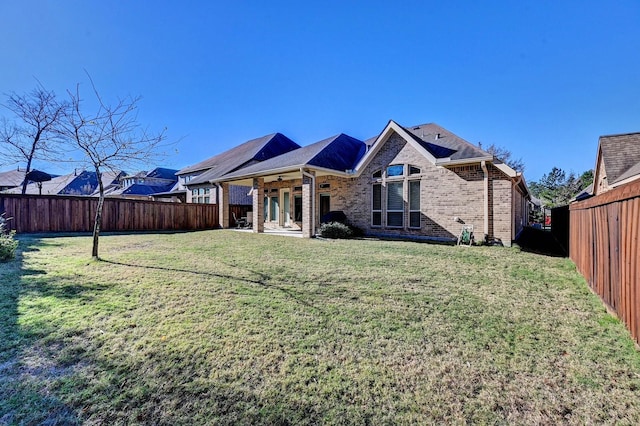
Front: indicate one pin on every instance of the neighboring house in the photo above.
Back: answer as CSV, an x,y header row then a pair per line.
x,y
198,179
144,185
419,182
617,162
76,183
11,179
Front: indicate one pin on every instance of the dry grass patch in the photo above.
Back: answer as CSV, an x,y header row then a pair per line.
x,y
233,328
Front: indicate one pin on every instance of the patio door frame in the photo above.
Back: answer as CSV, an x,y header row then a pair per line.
x,y
285,207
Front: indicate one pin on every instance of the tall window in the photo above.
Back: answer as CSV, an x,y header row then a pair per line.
x,y
395,204
273,209
414,204
325,205
376,207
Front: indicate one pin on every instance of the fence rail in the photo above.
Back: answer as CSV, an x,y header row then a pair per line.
x,y
52,213
605,246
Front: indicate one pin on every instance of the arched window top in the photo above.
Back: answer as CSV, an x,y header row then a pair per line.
x,y
414,170
377,174
395,170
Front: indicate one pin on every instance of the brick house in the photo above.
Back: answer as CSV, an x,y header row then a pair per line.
x,y
419,182
617,161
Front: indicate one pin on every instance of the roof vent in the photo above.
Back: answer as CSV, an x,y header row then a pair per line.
x,y
437,136
416,128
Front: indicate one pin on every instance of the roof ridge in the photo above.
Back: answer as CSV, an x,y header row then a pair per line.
x,y
619,134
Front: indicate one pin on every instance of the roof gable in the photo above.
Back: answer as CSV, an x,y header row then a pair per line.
x,y
620,155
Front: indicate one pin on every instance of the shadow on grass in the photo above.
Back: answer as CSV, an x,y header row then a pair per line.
x,y
23,398
262,280
43,380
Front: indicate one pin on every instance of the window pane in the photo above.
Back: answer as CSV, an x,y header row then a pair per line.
x,y
206,200
414,195
394,196
266,208
377,197
377,219
297,208
414,219
377,174
274,209
413,170
396,170
394,219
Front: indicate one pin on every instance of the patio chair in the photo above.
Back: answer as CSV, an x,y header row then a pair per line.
x,y
240,223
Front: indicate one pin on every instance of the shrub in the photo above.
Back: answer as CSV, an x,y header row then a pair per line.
x,y
7,244
335,230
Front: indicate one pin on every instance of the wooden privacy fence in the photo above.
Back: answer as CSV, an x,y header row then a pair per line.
x,y
604,245
53,213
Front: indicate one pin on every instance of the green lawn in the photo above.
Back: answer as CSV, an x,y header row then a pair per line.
x,y
223,327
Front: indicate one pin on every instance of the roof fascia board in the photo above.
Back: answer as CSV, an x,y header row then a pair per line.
x,y
507,170
282,170
627,180
596,169
444,162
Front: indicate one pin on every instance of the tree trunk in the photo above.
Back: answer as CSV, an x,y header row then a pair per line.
x,y
24,182
98,221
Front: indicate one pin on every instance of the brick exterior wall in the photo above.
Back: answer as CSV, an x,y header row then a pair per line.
x,y
445,193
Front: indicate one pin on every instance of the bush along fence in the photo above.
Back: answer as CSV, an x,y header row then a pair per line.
x,y
605,246
53,213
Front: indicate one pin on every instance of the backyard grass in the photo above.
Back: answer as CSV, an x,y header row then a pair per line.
x,y
222,327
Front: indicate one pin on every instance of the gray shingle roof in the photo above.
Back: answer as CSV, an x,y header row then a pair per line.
x,y
11,178
259,149
341,152
82,183
621,156
441,143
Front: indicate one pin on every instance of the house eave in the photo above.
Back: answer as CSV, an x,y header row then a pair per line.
x,y
446,162
281,171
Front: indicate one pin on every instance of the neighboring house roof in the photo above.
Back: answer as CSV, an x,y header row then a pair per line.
x,y
339,153
584,194
163,173
621,156
11,179
142,189
259,149
83,183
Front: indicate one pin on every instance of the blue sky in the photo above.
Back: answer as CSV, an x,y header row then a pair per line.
x,y
542,78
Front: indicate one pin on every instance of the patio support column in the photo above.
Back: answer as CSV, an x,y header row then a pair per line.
x,y
308,225
258,205
223,205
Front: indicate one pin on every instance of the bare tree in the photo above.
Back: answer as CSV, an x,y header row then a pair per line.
x,y
109,139
31,135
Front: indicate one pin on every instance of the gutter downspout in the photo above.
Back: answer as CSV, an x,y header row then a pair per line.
x,y
514,191
483,164
313,199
